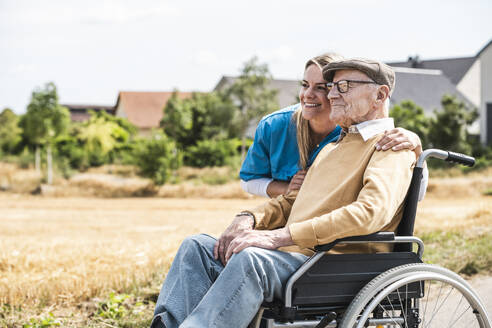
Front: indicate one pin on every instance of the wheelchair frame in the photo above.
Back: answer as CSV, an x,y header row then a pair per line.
x,y
353,295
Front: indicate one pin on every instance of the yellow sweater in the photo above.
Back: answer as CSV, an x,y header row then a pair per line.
x,y
350,190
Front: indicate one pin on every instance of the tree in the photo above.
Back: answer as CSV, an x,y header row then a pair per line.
x,y
131,130
448,127
100,135
252,96
204,116
411,117
45,120
10,132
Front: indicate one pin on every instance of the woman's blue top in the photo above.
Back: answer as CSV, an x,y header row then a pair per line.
x,y
274,153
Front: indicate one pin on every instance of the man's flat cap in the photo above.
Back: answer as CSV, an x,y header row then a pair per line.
x,y
377,71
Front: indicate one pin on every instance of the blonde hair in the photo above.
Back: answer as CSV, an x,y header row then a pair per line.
x,y
305,141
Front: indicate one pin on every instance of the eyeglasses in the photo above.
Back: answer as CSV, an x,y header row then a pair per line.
x,y
344,85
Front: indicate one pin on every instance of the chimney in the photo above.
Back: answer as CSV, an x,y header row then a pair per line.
x,y
414,61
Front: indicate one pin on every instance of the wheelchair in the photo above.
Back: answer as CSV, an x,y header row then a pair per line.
x,y
393,289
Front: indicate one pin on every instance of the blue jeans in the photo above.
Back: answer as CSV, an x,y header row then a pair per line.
x,y
200,292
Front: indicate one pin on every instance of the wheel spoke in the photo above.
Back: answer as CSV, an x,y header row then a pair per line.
x,y
455,311
438,297
389,316
462,313
440,306
403,314
426,302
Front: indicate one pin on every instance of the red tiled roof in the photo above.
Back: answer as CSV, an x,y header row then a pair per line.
x,y
144,109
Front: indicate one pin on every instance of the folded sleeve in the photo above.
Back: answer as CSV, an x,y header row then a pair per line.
x,y
274,213
257,187
257,162
384,187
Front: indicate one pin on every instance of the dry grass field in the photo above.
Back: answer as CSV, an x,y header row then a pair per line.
x,y
60,252
66,255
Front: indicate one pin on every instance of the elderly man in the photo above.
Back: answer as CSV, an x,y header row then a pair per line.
x,y
350,189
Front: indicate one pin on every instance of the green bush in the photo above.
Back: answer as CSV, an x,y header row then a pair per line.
x,y
412,117
210,153
156,157
483,158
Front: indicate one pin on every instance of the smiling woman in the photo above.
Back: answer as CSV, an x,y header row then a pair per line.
x,y
314,127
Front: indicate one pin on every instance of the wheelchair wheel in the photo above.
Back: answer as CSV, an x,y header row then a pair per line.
x,y
416,295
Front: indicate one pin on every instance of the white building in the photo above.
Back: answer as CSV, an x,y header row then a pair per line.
x,y
472,77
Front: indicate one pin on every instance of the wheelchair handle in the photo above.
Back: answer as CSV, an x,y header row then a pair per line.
x,y
460,159
448,156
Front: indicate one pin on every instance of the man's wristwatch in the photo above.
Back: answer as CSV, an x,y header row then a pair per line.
x,y
248,214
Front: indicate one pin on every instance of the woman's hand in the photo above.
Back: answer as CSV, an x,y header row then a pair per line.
x,y
277,188
296,181
398,139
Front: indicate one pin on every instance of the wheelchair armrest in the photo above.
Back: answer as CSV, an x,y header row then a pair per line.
x,y
373,237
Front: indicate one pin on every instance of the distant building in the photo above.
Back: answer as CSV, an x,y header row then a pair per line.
x,y
80,113
144,109
288,90
472,77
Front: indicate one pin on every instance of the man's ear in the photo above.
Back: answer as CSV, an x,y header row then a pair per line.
x,y
382,93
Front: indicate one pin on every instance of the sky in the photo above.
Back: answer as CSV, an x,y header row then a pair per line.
x,y
93,49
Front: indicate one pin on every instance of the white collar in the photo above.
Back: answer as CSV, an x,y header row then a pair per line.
x,y
369,129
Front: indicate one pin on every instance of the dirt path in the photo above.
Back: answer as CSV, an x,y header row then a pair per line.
x,y
483,286
444,306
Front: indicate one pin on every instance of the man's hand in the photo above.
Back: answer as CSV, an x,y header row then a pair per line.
x,y
269,239
296,181
239,224
398,139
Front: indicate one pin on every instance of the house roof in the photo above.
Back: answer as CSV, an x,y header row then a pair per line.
x,y
424,87
145,109
288,90
453,68
485,47
80,113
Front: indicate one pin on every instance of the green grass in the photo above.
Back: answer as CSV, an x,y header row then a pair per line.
x,y
467,255
48,321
